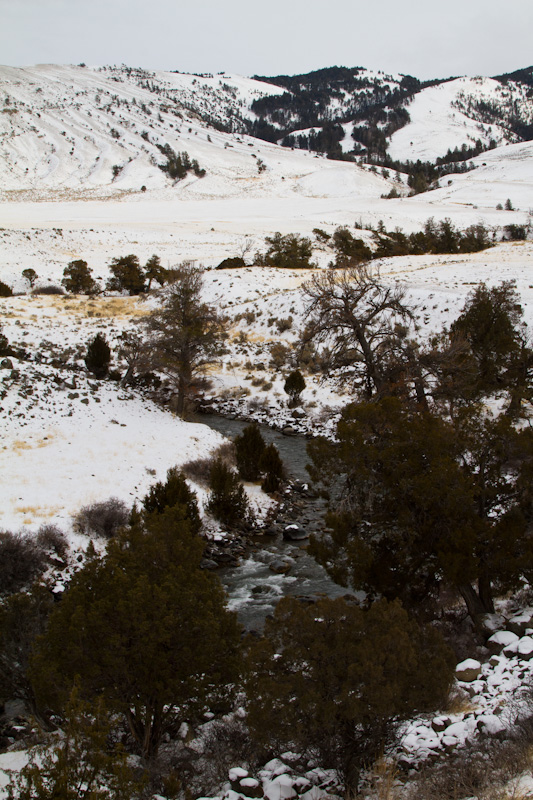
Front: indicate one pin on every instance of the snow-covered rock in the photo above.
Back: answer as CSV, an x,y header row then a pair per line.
x,y
518,623
499,640
468,670
523,648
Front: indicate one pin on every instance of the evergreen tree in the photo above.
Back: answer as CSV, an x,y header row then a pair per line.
x,y
77,278
174,492
492,324
290,251
127,275
271,466
145,628
227,500
249,447
294,386
23,617
185,334
79,764
154,271
334,681
349,251
419,504
98,356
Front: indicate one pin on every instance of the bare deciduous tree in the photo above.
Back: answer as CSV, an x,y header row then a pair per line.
x,y
359,321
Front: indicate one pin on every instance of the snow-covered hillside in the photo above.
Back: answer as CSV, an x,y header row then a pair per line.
x,y
66,131
451,114
500,174
73,131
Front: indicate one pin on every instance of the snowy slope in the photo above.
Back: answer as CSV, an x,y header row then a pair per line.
x,y
72,131
500,174
446,116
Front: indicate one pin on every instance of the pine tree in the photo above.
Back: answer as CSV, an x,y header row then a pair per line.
x,y
249,447
227,500
145,628
334,681
271,466
294,386
173,492
128,275
77,278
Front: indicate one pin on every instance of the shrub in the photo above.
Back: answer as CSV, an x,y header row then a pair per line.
x,y
21,561
52,540
227,499
279,355
50,289
515,233
249,447
5,290
5,349
284,324
226,743
321,235
98,356
103,518
232,263
199,470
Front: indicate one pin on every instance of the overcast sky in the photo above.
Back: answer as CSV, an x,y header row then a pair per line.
x,y
423,38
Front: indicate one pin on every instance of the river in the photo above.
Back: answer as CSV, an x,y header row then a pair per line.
x,y
253,588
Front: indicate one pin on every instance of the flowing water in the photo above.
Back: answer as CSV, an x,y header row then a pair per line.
x,y
253,588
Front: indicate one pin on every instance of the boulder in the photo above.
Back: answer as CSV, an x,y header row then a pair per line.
x,y
468,670
6,363
293,533
440,723
499,640
208,563
250,787
523,648
289,430
280,567
298,413
492,623
236,774
519,622
280,788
